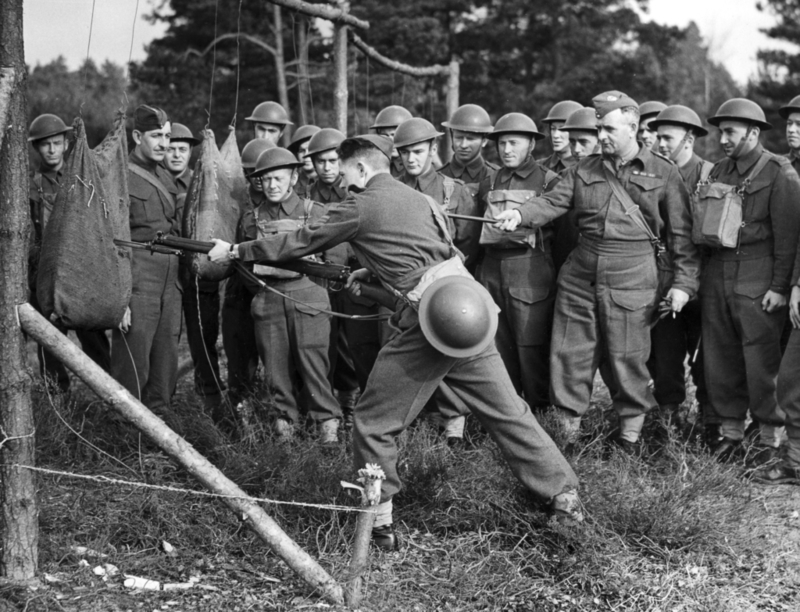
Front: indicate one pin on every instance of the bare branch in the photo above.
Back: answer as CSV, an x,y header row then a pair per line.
x,y
253,39
372,53
323,11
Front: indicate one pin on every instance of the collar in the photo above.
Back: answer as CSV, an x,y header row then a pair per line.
x,y
185,177
54,176
473,168
748,160
287,207
327,191
382,178
140,160
523,171
639,160
425,180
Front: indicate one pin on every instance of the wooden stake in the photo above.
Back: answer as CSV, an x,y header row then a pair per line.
x,y
372,478
181,451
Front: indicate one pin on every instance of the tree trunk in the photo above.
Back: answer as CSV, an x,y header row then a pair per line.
x,y
280,66
453,79
340,70
19,510
303,82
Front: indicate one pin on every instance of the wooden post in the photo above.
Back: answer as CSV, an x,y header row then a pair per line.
x,y
303,81
340,71
180,450
372,477
280,66
453,80
19,513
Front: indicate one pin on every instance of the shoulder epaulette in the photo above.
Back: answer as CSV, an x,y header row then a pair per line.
x,y
491,165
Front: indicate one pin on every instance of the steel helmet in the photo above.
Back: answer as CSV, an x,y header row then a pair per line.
x,y
275,159
792,107
325,140
253,149
515,123
740,109
583,119
561,111
683,116
390,117
181,133
648,109
413,131
300,135
45,126
470,118
458,316
270,112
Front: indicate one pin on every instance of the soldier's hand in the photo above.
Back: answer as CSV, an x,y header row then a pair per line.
x,y
125,324
794,307
677,299
772,301
508,220
355,279
221,251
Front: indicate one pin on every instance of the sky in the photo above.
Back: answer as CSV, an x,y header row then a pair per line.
x,y
61,27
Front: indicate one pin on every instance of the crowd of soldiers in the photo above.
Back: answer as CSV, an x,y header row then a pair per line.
x,y
589,255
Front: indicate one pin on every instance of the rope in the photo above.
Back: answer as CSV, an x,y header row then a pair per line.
x,y
86,62
308,79
130,51
238,64
171,489
367,96
355,97
213,67
203,339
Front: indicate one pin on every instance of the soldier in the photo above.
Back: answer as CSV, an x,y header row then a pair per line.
x,y
269,121
399,235
238,328
48,135
607,289
299,147
144,350
469,127
292,328
517,268
346,334
178,156
647,112
561,158
581,126
744,288
386,123
791,112
672,338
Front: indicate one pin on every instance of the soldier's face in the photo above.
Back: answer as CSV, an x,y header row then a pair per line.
x,y
418,158
177,158
559,139
466,145
327,166
153,144
646,135
277,184
616,133
268,131
302,155
52,150
255,182
389,133
670,139
582,143
731,133
514,149
793,131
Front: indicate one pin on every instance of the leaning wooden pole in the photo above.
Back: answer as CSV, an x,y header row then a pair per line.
x,y
18,515
181,451
340,72
453,84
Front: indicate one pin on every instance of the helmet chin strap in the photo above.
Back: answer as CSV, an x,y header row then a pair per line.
x,y
674,155
738,149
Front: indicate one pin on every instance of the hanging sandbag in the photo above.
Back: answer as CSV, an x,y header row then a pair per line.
x,y
84,279
214,201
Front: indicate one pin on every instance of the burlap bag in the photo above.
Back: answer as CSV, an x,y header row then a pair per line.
x,y
84,280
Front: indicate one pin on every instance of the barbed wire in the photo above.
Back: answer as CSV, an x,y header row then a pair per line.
x,y
171,489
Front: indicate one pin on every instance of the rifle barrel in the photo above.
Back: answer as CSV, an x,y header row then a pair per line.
x,y
471,218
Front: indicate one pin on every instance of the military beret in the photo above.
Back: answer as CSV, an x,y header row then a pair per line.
x,y
147,118
609,101
382,143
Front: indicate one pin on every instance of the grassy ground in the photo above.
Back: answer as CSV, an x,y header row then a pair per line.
x,y
675,531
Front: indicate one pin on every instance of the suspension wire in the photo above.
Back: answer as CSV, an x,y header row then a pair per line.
x,y
86,62
403,94
367,101
238,64
355,97
213,67
392,73
308,77
297,57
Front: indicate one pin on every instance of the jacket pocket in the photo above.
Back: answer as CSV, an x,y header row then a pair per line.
x,y
530,314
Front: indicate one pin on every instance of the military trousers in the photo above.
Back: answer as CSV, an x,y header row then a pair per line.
x,y
522,283
342,374
742,342
672,339
408,372
292,340
239,340
789,396
201,314
363,337
606,296
145,359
